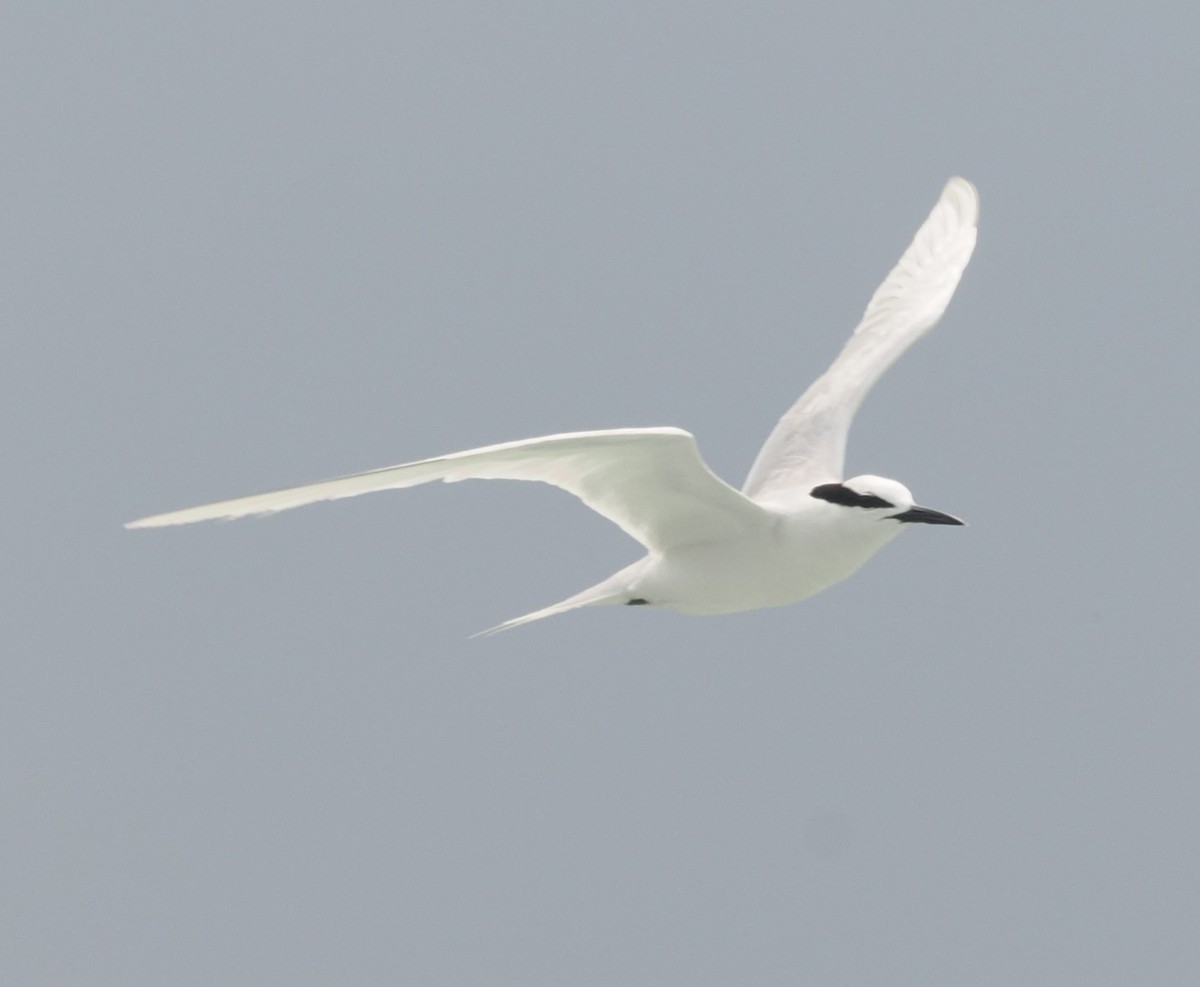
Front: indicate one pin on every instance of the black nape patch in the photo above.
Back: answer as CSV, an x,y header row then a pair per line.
x,y
839,493
637,601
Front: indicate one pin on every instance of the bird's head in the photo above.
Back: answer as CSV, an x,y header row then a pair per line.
x,y
879,499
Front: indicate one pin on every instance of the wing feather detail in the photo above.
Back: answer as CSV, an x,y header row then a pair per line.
x,y
651,482
808,446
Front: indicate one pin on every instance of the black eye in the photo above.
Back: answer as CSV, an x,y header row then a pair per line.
x,y
839,493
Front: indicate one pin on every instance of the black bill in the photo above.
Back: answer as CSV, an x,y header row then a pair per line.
x,y
925,515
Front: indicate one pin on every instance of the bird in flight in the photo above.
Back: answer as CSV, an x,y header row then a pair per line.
x,y
795,527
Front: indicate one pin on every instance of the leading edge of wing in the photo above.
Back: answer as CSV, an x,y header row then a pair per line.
x,y
649,481
809,442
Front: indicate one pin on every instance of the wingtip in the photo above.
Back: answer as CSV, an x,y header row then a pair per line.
x,y
154,521
964,196
187,516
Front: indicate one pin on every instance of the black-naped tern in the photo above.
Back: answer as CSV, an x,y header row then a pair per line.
x,y
795,528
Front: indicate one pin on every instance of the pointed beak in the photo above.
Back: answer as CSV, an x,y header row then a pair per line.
x,y
925,515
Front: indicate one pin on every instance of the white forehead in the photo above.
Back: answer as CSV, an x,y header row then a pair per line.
x,y
893,491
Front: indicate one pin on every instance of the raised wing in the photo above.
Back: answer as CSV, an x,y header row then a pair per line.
x,y
808,446
649,481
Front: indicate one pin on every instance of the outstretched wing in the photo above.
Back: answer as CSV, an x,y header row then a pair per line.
x,y
808,446
649,481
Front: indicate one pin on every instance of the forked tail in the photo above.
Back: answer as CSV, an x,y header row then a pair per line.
x,y
615,589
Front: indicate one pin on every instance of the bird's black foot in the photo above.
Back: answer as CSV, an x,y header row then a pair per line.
x,y
637,601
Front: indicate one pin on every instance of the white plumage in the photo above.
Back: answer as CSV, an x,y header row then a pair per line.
x,y
793,530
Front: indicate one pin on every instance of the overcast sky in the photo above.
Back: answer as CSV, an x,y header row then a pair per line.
x,y
255,244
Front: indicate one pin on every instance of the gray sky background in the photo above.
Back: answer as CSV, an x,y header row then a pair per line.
x,y
253,244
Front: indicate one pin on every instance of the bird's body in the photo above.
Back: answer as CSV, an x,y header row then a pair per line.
x,y
794,529
782,559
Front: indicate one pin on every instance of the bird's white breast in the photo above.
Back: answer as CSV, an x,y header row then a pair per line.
x,y
788,561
